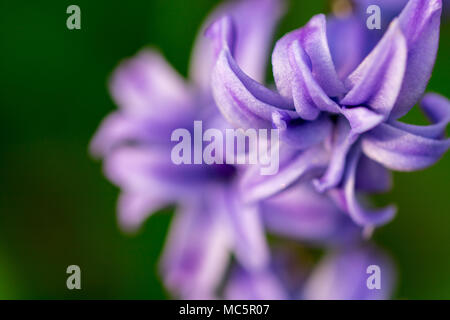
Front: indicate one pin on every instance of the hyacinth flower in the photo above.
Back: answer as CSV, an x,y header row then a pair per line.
x,y
342,274
135,144
345,130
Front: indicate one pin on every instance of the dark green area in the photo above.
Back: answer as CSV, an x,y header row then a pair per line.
x,y
57,209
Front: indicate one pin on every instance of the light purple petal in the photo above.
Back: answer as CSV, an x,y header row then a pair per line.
x,y
135,208
343,140
343,275
378,79
146,85
312,39
360,215
405,147
244,102
420,22
302,213
309,98
437,109
300,134
294,165
196,252
247,230
255,24
136,169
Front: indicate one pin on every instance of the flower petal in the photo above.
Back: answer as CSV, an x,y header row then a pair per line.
x,y
302,213
401,150
344,139
372,176
420,22
255,24
377,80
437,110
294,165
247,230
196,253
312,39
244,102
300,134
147,85
135,208
360,215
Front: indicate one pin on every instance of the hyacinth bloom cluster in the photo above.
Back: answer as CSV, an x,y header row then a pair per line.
x,y
336,106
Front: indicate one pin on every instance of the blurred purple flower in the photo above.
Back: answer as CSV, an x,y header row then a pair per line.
x,y
135,143
337,115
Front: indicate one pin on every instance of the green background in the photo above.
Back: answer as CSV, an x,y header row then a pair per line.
x,y
57,209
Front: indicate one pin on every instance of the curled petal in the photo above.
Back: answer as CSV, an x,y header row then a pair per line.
x,y
244,102
402,151
344,139
302,213
255,24
294,165
196,252
312,39
300,134
378,79
437,110
361,216
309,98
354,271
420,23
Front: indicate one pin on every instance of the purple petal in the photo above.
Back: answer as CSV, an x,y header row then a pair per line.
x,y
136,169
406,147
347,55
343,141
247,230
420,22
309,98
116,129
437,110
378,79
360,215
372,176
294,165
302,213
343,275
147,85
255,24
244,102
196,252
312,39
135,208
300,134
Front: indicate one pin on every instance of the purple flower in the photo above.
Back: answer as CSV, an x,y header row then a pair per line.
x,y
135,143
343,274
337,115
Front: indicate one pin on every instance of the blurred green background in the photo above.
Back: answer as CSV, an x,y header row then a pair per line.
x,y
57,209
